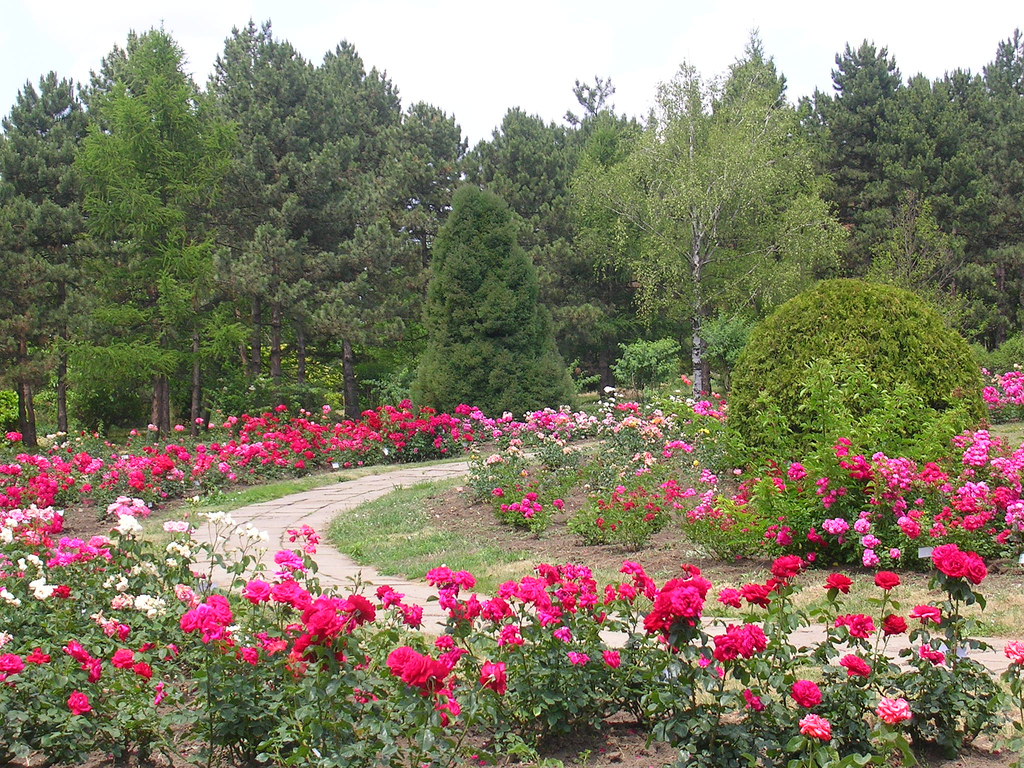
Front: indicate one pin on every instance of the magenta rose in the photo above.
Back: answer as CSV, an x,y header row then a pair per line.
x,y
78,703
806,693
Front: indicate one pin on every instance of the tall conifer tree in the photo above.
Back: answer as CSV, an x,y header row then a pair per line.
x,y
489,342
40,201
150,176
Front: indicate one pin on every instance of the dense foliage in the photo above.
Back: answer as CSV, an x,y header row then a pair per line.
x,y
851,359
300,271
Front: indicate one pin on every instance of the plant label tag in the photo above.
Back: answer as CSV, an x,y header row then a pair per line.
x,y
1020,559
335,465
923,552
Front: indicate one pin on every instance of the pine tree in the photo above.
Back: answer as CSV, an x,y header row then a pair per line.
x,y
489,342
530,165
856,121
40,200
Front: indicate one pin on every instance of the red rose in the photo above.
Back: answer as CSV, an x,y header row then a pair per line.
x,y
492,675
756,594
417,670
787,566
37,657
858,624
360,609
727,647
839,582
678,599
950,560
855,666
894,625
730,597
256,591
752,702
886,580
123,658
806,693
975,570
10,664
142,669
75,650
78,703
292,593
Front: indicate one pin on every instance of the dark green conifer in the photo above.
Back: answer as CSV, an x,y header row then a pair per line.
x,y
489,342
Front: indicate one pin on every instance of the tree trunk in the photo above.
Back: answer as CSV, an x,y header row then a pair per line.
x,y
699,348
348,369
256,317
300,353
26,408
160,412
697,358
197,393
275,343
62,391
26,415
62,366
604,366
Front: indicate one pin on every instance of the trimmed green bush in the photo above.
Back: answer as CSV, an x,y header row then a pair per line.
x,y
489,343
869,362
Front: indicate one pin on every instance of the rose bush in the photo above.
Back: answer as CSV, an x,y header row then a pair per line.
x,y
236,449
111,645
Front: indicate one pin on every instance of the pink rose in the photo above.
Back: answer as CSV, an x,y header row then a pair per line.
x,y
816,727
893,711
926,613
256,591
1015,652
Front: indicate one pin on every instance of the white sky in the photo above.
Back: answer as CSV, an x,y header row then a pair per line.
x,y
477,58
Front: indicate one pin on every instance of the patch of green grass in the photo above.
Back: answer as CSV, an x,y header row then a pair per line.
x,y
235,498
397,536
1012,432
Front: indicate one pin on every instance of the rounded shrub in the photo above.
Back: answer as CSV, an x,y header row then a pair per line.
x,y
868,362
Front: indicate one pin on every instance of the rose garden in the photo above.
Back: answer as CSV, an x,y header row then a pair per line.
x,y
123,645
805,552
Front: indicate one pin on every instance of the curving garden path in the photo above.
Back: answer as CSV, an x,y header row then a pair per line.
x,y
317,507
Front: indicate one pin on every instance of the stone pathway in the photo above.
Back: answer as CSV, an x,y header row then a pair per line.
x,y
316,508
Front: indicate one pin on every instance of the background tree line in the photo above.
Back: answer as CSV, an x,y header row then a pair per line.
x,y
169,251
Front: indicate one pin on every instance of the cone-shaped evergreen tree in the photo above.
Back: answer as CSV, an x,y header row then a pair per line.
x,y
489,342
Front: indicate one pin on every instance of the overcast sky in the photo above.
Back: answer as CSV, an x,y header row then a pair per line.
x,y
477,58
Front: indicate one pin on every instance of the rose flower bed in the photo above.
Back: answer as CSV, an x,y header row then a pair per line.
x,y
244,448
113,646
